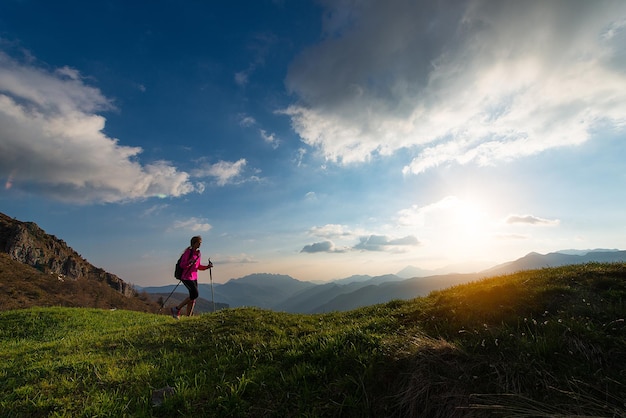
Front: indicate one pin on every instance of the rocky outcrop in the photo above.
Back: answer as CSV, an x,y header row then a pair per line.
x,y
27,243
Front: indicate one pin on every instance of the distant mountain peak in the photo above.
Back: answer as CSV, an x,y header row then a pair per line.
x,y
585,252
264,277
535,260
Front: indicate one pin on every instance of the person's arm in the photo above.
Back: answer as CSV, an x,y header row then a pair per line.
x,y
203,267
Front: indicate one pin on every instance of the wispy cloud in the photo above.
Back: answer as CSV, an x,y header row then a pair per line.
x,y
53,141
299,157
531,220
467,83
193,224
154,209
385,243
236,259
246,121
330,231
260,46
269,138
224,172
507,237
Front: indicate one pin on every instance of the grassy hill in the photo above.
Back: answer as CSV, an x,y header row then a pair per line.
x,y
548,342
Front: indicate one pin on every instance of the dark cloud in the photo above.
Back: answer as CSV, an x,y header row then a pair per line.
x,y
477,81
321,247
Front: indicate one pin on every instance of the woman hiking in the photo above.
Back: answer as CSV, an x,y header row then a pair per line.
x,y
191,263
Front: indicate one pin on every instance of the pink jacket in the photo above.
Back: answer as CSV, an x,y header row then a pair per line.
x,y
191,264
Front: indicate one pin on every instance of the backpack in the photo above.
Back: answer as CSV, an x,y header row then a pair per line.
x,y
178,270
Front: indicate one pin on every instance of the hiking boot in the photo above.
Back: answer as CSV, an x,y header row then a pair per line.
x,y
175,313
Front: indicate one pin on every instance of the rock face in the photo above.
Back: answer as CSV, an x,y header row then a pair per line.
x,y
27,243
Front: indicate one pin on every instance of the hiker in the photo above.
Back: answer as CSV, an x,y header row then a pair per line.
x,y
191,263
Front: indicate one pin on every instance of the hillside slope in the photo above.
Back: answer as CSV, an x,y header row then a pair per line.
x,y
22,286
556,259
38,269
549,342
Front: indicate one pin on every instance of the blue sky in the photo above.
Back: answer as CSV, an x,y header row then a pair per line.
x,y
318,139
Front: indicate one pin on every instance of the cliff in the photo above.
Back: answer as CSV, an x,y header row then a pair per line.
x,y
29,244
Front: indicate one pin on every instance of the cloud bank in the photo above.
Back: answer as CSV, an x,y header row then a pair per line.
x,y
322,247
369,242
52,142
456,82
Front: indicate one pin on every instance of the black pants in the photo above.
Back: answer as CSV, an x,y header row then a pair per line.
x,y
192,286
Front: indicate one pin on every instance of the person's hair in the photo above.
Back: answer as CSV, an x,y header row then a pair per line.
x,y
195,239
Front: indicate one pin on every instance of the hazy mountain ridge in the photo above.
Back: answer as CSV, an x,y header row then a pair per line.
x,y
362,290
556,259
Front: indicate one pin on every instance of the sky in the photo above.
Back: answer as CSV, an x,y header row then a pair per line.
x,y
318,139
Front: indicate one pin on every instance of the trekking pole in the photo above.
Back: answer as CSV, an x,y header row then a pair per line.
x,y
168,298
212,295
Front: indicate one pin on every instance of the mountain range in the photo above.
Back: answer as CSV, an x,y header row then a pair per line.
x,y
26,243
285,293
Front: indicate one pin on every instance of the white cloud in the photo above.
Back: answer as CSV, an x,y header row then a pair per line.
x,y
369,242
385,243
330,231
299,157
531,220
155,209
459,82
246,121
68,72
52,142
270,138
193,224
224,172
237,259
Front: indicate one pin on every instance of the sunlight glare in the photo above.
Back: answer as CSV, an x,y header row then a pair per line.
x,y
463,227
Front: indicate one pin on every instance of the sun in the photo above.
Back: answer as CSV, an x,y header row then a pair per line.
x,y
462,226
469,217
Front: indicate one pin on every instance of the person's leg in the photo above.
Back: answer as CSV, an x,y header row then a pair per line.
x,y
193,295
176,310
190,301
192,287
182,304
190,306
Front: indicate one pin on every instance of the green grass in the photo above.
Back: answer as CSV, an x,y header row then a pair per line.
x,y
549,342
